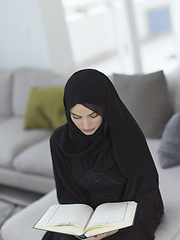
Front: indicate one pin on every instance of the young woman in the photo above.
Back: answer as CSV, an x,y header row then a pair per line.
x,y
100,155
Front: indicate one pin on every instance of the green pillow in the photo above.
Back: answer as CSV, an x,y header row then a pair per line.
x,y
45,108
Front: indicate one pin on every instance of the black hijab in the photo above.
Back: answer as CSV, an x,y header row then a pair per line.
x,y
118,139
95,91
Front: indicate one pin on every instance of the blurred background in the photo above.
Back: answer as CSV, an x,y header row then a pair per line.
x,y
122,36
113,36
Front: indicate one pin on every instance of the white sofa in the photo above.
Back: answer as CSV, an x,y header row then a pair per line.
x,y
25,160
20,226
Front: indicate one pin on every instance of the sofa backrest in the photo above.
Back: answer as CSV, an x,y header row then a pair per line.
x,y
24,80
5,94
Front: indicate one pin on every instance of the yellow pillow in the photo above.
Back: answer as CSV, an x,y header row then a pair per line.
x,y
45,108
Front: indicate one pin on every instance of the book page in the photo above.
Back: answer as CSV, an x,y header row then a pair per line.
x,y
70,214
109,213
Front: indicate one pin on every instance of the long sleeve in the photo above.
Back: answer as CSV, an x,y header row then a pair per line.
x,y
63,195
145,192
67,190
147,195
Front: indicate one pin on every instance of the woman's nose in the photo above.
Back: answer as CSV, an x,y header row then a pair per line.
x,y
86,124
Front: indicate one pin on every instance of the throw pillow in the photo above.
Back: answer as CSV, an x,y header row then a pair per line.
x,y
45,108
146,97
169,150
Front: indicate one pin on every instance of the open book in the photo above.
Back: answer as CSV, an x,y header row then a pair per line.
x,y
81,220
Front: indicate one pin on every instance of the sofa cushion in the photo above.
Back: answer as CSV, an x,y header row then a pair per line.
x,y
169,227
14,139
146,97
29,182
45,108
5,94
169,150
24,80
2,119
35,159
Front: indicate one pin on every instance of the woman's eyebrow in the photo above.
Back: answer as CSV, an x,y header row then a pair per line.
x,y
75,114
80,116
92,113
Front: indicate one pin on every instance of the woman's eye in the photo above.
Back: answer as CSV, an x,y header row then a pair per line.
x,y
94,115
76,117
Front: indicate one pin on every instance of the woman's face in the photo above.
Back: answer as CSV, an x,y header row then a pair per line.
x,y
85,119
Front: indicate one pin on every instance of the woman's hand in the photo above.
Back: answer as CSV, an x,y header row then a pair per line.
x,y
101,236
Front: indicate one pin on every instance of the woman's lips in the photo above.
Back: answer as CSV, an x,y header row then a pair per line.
x,y
88,130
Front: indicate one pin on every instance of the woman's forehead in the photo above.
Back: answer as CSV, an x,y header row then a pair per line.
x,y
80,109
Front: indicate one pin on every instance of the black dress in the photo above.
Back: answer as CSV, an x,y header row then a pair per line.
x,y
99,187
113,164
109,185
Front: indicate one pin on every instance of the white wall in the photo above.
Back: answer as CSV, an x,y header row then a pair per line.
x,y
33,33
57,36
175,16
91,36
22,37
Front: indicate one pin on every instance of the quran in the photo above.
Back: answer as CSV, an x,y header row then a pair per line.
x,y
81,220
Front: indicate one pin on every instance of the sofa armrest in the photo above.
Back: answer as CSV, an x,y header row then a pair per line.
x,y
20,226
